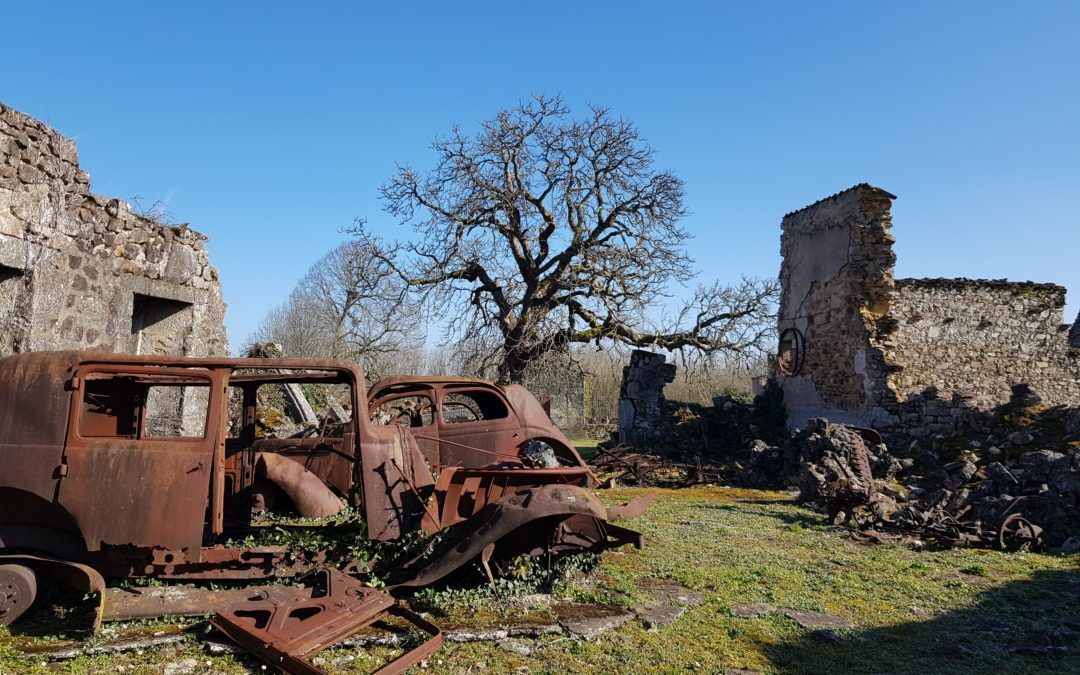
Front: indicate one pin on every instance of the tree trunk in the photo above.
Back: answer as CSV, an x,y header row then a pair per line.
x,y
513,366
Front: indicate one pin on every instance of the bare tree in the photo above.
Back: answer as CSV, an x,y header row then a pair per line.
x,y
542,231
350,305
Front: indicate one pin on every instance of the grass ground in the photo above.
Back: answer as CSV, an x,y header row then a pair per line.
x,y
956,611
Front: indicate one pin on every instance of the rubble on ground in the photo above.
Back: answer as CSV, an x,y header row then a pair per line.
x,y
692,444
1028,498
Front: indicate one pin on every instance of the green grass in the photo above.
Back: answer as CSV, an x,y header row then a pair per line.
x,y
586,447
961,611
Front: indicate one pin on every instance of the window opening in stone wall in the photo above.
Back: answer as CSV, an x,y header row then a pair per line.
x,y
158,325
472,406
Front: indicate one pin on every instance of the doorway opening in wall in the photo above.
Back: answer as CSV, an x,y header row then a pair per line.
x,y
10,286
159,325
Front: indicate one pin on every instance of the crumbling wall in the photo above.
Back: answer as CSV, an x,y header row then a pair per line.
x,y
81,271
641,398
960,345
836,282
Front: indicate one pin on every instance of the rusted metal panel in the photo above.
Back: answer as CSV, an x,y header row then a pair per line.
x,y
557,517
33,416
397,482
284,626
165,481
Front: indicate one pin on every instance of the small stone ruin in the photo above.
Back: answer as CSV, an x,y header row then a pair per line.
x,y
641,398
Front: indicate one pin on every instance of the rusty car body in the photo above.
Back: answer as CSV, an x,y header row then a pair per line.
x,y
91,475
465,421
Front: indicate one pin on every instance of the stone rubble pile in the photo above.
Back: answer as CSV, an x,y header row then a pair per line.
x,y
842,470
1010,499
1042,487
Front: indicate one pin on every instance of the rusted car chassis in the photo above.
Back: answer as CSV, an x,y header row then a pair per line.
x,y
94,476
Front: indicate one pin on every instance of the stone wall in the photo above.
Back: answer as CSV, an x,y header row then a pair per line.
x,y
922,356
978,338
641,399
81,271
959,346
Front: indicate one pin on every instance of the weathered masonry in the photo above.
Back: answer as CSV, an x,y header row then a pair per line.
x,y
81,271
918,355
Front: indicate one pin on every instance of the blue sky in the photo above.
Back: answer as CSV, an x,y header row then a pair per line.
x,y
269,126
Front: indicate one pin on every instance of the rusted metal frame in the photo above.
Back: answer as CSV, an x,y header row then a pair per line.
x,y
317,377
284,626
216,563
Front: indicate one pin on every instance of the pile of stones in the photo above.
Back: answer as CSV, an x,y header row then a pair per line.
x,y
1012,495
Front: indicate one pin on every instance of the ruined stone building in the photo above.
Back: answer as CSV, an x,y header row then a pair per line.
x,y
918,355
81,271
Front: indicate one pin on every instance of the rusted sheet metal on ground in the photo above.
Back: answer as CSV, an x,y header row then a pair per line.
x,y
284,626
632,509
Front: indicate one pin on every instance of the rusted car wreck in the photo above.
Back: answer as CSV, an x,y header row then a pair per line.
x,y
130,466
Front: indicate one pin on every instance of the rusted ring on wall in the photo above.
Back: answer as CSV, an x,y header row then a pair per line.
x,y
791,352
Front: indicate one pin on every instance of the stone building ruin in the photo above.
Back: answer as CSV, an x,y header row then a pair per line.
x,y
920,355
82,271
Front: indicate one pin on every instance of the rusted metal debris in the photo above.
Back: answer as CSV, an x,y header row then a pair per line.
x,y
623,465
846,472
286,626
89,481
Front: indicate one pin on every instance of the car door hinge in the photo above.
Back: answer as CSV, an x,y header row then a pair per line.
x,y
61,470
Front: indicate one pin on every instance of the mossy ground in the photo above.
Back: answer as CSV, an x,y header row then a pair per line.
x,y
959,611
